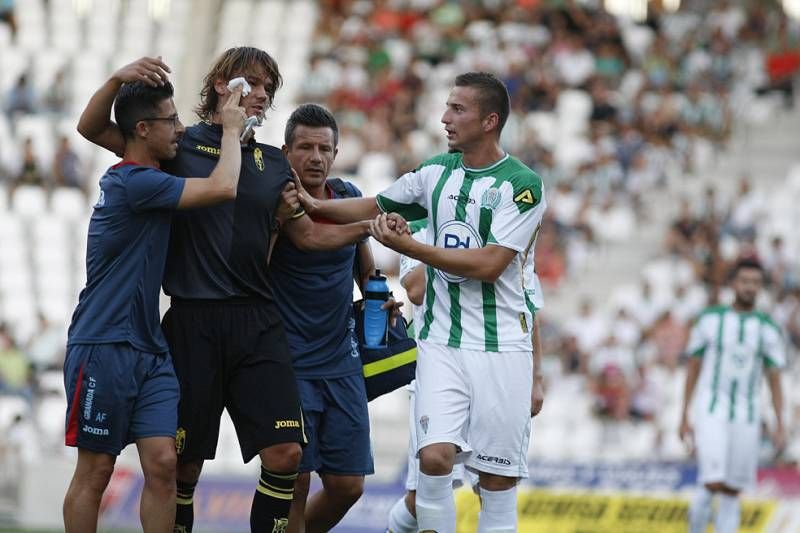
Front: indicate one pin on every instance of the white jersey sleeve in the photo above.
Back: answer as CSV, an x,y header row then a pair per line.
x,y
773,348
698,339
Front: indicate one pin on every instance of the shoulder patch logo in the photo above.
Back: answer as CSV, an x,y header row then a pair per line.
x,y
525,197
490,198
258,157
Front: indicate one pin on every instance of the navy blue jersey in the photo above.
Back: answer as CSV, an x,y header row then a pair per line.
x,y
220,252
125,255
314,292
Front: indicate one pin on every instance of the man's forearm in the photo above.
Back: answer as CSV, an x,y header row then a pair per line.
x,y
537,348
776,391
483,264
308,235
692,373
96,118
347,210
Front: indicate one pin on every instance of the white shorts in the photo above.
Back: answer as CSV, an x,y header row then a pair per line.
x,y
479,401
727,452
460,475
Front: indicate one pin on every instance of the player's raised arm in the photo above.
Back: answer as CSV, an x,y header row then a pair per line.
x,y
95,123
342,211
221,185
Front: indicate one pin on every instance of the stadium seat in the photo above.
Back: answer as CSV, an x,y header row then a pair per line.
x,y
28,201
69,204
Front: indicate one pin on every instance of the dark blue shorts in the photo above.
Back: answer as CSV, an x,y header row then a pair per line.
x,y
337,426
117,394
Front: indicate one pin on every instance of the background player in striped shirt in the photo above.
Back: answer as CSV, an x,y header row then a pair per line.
x,y
474,365
729,347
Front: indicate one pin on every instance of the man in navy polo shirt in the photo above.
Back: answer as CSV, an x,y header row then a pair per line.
x,y
314,291
118,372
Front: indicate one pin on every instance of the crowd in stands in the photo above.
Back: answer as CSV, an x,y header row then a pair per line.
x,y
604,109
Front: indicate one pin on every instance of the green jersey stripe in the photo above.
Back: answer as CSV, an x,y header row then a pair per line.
x,y
717,362
732,400
454,289
489,317
751,383
430,296
489,302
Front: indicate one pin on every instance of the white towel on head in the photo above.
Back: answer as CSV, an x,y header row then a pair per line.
x,y
235,82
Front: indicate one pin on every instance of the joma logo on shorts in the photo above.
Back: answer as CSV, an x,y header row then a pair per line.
x,y
95,431
280,424
491,459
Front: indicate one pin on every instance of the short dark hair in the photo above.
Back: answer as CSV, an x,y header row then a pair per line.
x,y
313,116
746,262
232,61
493,94
137,100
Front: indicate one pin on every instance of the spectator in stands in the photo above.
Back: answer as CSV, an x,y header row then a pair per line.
x,y
20,99
745,210
45,349
7,14
15,369
56,98
66,166
30,173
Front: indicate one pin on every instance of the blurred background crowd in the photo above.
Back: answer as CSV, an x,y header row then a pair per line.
x,y
645,129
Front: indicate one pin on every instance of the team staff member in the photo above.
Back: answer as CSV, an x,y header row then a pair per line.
x,y
483,208
326,359
118,372
729,348
224,330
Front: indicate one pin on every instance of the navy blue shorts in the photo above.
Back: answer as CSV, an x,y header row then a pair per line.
x,y
337,426
117,394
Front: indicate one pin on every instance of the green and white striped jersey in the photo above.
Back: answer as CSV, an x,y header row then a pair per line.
x,y
735,346
502,205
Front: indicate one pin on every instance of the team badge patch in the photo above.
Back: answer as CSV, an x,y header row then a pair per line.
x,y
180,440
525,197
490,198
423,421
258,157
280,525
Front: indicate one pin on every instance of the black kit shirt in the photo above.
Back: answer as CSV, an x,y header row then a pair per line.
x,y
220,252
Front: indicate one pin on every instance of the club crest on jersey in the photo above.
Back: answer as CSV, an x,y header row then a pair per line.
x,y
490,198
258,157
457,234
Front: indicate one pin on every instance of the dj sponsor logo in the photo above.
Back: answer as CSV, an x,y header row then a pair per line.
x,y
457,234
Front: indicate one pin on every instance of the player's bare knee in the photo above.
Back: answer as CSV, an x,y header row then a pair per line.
x,y
715,487
97,478
493,482
284,457
437,459
189,472
411,502
345,489
160,466
728,491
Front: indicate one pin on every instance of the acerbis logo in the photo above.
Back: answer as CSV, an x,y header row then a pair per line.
x,y
492,459
457,234
457,197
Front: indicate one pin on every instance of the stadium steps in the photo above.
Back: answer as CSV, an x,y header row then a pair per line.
x,y
764,150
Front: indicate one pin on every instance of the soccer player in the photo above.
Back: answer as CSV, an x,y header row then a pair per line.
x,y
314,291
402,517
224,330
118,373
729,347
474,363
